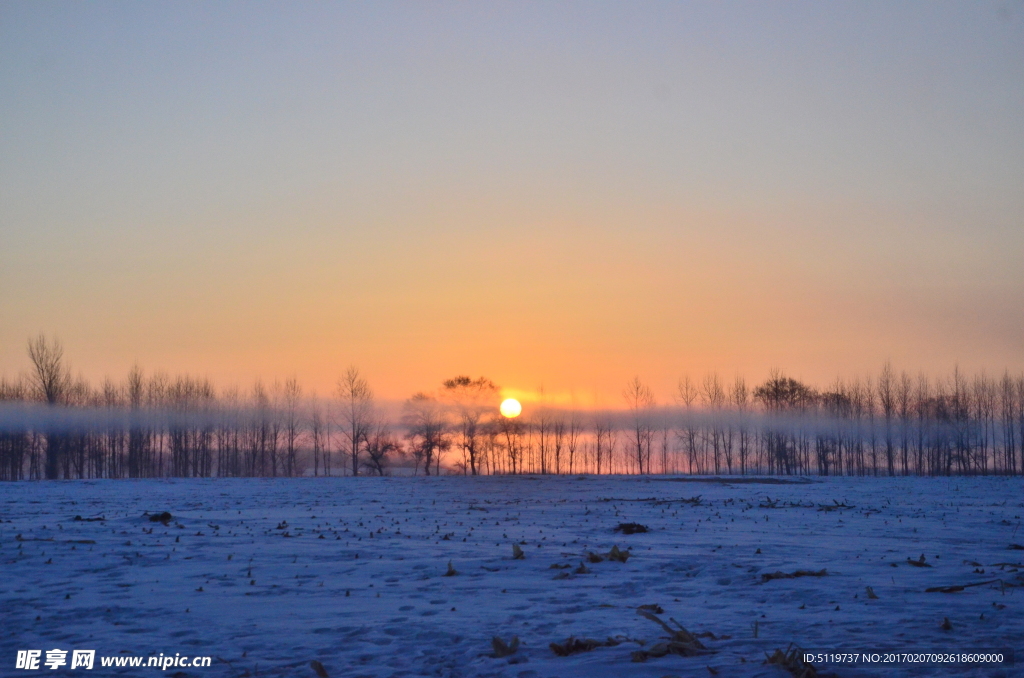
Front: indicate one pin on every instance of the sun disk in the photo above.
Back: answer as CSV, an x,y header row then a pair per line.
x,y
510,408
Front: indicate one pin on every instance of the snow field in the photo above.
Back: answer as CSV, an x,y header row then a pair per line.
x,y
267,575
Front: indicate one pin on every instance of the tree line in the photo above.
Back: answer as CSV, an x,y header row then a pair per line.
x,y
153,425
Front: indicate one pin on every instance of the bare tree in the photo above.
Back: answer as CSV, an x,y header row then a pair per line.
x,y
904,392
230,435
108,455
558,442
356,413
52,380
887,399
604,444
15,445
922,407
1006,417
713,397
424,418
1020,422
575,432
380,446
471,402
741,402
157,389
511,433
542,426
292,396
640,400
138,437
316,429
51,377
327,438
258,431
686,396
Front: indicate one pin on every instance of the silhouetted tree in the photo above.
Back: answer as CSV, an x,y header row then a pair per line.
x,y
424,419
686,397
52,379
381,445
471,402
356,413
640,401
573,442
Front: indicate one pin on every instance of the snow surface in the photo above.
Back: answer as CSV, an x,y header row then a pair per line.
x,y
266,575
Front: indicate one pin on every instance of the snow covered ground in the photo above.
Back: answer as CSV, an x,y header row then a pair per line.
x,y
267,575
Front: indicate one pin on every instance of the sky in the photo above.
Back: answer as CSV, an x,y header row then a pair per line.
x,y
557,196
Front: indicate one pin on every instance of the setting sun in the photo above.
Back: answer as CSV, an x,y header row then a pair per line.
x,y
510,408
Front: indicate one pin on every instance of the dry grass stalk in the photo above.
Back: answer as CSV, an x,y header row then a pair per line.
x,y
679,642
615,554
501,649
653,607
572,645
631,528
768,576
960,587
163,517
793,661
